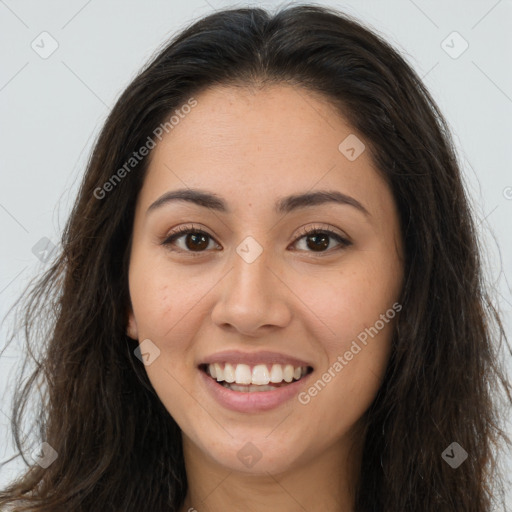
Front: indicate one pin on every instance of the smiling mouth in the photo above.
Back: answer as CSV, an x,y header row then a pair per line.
x,y
248,379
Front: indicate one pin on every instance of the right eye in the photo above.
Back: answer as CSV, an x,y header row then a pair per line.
x,y
195,240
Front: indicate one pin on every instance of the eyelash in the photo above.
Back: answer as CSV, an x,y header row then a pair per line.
x,y
185,230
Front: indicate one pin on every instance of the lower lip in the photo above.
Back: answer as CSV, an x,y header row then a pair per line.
x,y
253,401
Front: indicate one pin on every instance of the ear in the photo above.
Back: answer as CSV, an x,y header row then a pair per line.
x,y
131,328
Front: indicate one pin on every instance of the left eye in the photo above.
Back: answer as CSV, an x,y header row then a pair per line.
x,y
320,239
197,241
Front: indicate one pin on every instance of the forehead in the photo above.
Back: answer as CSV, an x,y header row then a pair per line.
x,y
261,144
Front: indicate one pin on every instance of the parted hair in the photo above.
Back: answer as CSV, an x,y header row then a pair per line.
x,y
118,447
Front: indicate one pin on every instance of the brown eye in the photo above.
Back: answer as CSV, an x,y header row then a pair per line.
x,y
194,240
318,240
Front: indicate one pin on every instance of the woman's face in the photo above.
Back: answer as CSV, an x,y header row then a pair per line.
x,y
255,290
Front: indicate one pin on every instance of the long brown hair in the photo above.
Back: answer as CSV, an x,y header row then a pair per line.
x,y
118,447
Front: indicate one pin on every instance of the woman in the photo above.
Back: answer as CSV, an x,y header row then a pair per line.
x,y
269,295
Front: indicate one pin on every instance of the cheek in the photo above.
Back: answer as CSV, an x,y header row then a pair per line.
x,y
358,306
338,399
164,300
154,305
348,300
165,306
362,319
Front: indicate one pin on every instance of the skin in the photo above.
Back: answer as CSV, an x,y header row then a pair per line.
x,y
252,147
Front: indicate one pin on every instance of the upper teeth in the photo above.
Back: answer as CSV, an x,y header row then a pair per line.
x,y
260,374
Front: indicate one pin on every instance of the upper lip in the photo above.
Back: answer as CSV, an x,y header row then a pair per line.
x,y
253,358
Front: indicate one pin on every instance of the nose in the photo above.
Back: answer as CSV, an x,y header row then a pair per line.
x,y
252,298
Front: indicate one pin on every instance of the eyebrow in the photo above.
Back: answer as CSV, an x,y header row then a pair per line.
x,y
282,206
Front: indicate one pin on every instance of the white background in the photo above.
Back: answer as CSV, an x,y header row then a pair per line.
x,y
52,109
